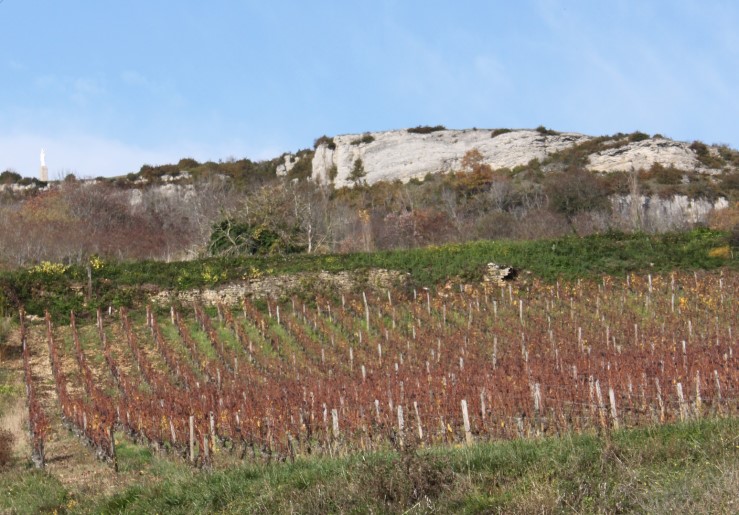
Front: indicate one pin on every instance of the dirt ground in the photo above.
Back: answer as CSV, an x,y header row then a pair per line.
x,y
67,458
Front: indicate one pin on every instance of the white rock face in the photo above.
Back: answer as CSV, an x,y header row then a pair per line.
x,y
165,192
643,154
400,155
666,214
289,163
19,188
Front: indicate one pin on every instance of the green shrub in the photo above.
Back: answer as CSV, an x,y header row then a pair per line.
x,y
325,140
9,177
364,139
333,172
576,191
729,155
546,132
303,167
699,148
730,182
665,175
187,163
615,183
703,188
358,173
577,156
705,156
637,136
232,238
426,129
498,132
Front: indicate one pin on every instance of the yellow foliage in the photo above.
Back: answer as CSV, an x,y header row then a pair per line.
x,y
720,252
49,268
211,277
253,273
96,263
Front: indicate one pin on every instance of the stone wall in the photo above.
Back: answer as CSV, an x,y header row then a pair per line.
x,y
285,285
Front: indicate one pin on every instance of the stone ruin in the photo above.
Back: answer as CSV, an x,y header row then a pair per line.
x,y
498,275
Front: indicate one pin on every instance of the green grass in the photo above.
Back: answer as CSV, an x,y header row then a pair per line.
x,y
132,457
691,467
570,257
30,491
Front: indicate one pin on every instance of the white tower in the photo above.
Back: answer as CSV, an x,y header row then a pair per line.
x,y
44,173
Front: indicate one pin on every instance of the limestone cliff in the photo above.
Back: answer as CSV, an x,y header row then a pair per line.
x,y
404,155
643,154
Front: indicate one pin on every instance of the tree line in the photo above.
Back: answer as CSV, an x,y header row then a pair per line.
x,y
252,210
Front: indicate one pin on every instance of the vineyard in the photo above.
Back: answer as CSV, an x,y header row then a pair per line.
x,y
273,379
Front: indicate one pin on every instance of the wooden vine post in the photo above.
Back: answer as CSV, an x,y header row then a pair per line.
x,y
466,421
192,439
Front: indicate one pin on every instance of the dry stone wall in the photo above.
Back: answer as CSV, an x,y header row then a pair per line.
x,y
285,285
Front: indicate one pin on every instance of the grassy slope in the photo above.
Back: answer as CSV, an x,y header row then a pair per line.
x,y
616,253
569,257
686,468
681,468
22,489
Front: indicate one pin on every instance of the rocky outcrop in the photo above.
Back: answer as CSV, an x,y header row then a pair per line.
x,y
404,155
643,154
289,162
169,191
498,275
665,214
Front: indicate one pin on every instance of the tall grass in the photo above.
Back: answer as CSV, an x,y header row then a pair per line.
x,y
691,467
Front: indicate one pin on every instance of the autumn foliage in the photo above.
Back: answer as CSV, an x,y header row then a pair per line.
x,y
357,372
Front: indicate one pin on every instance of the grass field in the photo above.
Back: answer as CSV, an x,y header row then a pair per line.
x,y
677,468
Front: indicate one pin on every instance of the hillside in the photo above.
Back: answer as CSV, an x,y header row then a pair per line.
x,y
605,380
413,153
375,191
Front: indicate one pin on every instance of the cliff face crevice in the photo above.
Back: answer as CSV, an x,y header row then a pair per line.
x,y
403,155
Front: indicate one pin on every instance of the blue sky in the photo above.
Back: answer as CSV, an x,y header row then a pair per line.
x,y
108,86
